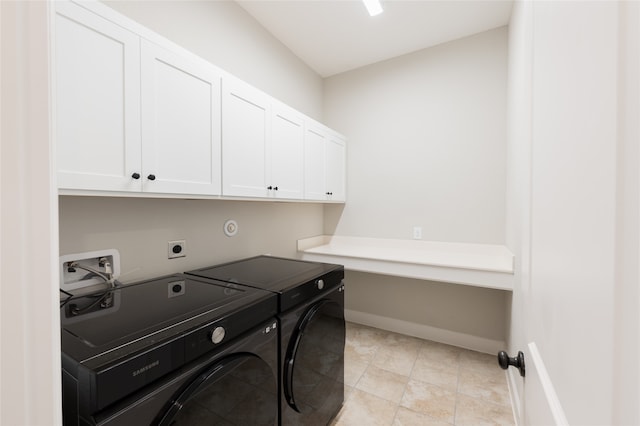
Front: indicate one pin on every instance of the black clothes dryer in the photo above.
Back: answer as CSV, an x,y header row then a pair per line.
x,y
312,331
176,350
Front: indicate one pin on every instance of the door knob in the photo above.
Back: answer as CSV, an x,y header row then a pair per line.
x,y
136,175
505,361
151,177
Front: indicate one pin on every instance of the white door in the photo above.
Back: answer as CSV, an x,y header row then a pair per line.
x,y
245,139
287,154
335,167
576,301
314,163
180,123
97,83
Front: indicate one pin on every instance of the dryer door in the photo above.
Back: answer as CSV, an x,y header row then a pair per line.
x,y
239,389
314,364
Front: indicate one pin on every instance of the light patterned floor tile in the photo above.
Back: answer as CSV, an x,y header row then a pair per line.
x,y
398,359
362,408
363,335
396,339
491,389
440,352
429,399
478,412
353,370
383,383
435,374
406,417
392,379
484,364
360,351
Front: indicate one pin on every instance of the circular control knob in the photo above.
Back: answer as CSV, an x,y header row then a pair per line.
x,y
320,284
217,335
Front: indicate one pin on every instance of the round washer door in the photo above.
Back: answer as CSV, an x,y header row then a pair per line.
x,y
314,364
240,389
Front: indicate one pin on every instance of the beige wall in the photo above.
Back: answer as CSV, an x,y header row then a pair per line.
x,y
427,147
453,309
140,229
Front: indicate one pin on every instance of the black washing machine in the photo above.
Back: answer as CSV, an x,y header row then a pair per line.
x,y
312,331
176,350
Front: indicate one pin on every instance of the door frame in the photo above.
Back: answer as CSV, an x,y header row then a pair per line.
x,y
30,347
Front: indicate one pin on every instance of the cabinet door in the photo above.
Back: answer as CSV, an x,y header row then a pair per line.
x,y
180,123
245,139
287,153
314,163
97,83
335,167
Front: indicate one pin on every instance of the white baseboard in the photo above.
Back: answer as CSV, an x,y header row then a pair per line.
x,y
514,395
422,331
538,368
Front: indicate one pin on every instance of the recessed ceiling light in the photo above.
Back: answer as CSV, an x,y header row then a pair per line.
x,y
373,7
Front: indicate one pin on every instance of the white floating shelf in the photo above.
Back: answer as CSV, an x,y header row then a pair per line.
x,y
481,265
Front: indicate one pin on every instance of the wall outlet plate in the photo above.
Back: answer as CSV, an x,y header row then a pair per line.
x,y
176,249
80,279
417,232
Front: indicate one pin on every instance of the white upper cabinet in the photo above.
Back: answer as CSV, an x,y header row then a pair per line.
x,y
131,115
136,113
97,82
335,168
262,145
246,114
180,123
325,155
315,140
286,163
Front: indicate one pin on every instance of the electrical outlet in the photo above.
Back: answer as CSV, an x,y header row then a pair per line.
x,y
177,248
417,232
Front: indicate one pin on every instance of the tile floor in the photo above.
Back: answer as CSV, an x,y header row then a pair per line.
x,y
392,379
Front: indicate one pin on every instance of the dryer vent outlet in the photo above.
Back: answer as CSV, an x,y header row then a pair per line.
x,y
177,249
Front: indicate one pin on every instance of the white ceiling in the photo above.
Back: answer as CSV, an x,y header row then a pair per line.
x,y
333,36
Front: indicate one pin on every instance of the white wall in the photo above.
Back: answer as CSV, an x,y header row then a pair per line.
x,y
228,37
427,147
426,142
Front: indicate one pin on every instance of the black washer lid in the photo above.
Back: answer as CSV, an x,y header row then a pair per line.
x,y
146,312
267,272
